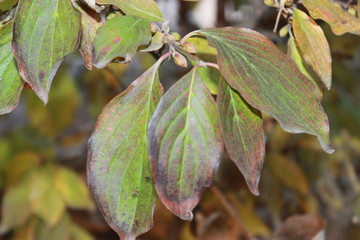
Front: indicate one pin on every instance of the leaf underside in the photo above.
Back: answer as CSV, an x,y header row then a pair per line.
x,y
120,37
184,144
45,31
119,172
340,20
270,81
243,134
147,9
11,84
313,45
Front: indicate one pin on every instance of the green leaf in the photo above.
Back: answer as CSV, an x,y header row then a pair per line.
x,y
72,189
46,202
156,43
295,54
211,78
147,9
270,81
45,31
243,134
120,37
340,20
89,25
16,205
313,45
119,172
10,81
185,144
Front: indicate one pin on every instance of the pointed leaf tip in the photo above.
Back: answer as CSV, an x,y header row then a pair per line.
x,y
118,167
185,144
269,81
36,28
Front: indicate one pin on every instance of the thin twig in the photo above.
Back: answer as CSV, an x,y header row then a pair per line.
x,y
231,211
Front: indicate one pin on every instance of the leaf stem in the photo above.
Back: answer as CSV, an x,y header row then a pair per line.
x,y
214,65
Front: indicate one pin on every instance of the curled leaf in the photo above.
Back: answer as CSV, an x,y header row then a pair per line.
x,y
313,45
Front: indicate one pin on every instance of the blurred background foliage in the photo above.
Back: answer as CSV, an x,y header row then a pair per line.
x,y
303,190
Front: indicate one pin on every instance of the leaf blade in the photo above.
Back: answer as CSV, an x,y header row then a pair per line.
x,y
313,45
11,84
120,37
183,137
126,200
270,81
340,20
147,9
244,135
37,47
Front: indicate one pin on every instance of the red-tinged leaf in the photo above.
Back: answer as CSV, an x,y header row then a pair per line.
x,y
270,81
185,144
243,134
90,25
118,167
147,9
45,31
313,45
120,37
340,20
11,84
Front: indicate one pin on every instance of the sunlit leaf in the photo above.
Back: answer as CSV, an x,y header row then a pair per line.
x,y
295,54
156,43
72,189
243,134
340,20
46,202
203,49
89,25
10,81
120,37
142,8
313,45
119,172
185,144
16,205
45,31
270,81
211,78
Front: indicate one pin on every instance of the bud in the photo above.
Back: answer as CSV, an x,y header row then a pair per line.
x,y
189,47
352,11
154,27
165,28
284,31
270,3
179,60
